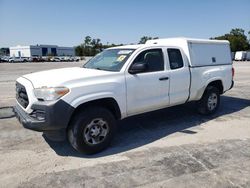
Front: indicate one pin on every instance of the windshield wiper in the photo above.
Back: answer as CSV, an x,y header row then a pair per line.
x,y
98,68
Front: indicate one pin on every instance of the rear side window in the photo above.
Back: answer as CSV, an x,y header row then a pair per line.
x,y
175,58
153,58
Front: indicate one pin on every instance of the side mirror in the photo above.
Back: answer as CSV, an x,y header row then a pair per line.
x,y
137,68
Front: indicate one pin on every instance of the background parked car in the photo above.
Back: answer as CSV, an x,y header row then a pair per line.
x,y
56,59
18,59
41,59
4,59
36,59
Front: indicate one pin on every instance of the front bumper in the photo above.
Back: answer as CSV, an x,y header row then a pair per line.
x,y
46,116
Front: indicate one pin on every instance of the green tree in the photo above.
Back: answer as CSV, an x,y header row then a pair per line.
x,y
4,51
92,46
144,39
79,50
96,46
87,41
249,37
237,38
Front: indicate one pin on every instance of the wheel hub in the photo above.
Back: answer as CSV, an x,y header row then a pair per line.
x,y
212,101
96,131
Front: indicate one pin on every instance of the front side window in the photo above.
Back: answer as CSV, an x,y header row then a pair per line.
x,y
153,59
175,58
109,60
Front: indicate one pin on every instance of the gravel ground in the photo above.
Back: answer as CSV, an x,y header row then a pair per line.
x,y
173,147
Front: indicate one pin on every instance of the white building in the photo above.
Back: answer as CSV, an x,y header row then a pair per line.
x,y
41,50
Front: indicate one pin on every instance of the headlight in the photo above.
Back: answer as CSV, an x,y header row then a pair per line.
x,y
50,93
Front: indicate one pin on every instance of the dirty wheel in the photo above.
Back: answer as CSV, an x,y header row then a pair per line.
x,y
92,130
210,101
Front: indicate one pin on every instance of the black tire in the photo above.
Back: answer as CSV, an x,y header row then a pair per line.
x,y
205,106
88,120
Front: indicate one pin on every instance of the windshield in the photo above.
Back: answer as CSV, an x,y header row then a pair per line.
x,y
109,60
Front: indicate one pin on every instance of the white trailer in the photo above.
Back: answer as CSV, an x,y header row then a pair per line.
x,y
240,56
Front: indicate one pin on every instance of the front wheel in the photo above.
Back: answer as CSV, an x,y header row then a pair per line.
x,y
92,130
210,101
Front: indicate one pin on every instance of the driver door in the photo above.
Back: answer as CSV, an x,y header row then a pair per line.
x,y
148,90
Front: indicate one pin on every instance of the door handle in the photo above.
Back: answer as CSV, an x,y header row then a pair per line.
x,y
163,78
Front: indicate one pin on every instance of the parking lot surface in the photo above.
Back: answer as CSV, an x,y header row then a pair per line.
x,y
174,147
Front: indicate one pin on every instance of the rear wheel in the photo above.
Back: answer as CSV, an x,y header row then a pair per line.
x,y
92,130
210,101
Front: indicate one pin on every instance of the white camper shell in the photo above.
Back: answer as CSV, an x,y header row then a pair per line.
x,y
200,52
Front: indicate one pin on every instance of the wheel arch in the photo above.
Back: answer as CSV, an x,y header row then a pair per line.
x,y
108,102
218,84
215,82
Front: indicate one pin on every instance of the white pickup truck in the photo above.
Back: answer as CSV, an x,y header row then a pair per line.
x,y
84,103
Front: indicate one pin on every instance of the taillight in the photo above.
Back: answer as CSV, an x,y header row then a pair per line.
x,y
232,72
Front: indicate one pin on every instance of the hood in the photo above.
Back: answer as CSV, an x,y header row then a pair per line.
x,y
57,77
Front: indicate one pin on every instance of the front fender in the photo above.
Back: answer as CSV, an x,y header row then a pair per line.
x,y
96,96
90,97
